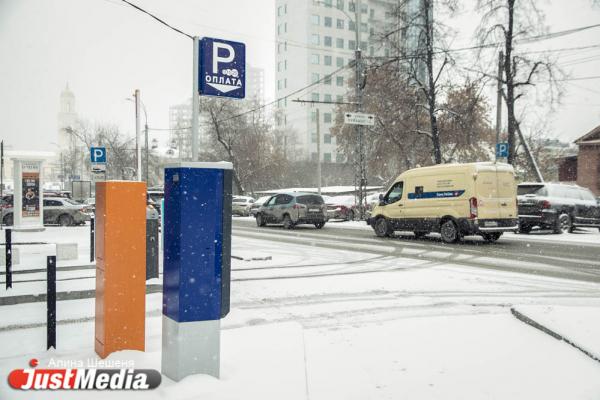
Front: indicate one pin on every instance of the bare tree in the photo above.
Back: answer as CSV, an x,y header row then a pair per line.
x,y
507,23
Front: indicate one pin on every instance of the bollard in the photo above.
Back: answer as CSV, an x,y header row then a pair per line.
x,y
120,266
51,302
8,258
152,246
92,238
196,266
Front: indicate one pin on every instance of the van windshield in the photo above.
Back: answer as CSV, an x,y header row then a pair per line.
x,y
539,190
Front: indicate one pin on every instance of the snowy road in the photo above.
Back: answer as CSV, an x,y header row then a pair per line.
x,y
567,259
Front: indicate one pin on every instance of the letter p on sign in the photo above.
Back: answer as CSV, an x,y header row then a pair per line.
x,y
218,59
98,154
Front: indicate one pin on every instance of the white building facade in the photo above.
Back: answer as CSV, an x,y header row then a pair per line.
x,y
316,42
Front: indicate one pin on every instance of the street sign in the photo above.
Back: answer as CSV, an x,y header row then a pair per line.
x,y
222,68
354,118
501,150
99,168
98,154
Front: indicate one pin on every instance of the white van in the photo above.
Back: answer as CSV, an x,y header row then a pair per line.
x,y
453,199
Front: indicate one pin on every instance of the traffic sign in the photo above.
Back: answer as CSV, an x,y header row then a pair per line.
x,y
98,154
222,68
99,168
359,118
501,150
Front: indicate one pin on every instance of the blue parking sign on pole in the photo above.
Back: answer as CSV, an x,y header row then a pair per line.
x,y
501,150
98,154
222,69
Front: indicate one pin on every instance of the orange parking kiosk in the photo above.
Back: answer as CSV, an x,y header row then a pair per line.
x,y
120,266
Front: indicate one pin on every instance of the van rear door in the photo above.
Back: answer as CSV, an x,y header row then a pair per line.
x,y
507,193
486,192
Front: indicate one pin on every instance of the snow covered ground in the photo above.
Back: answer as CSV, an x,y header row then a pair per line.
x,y
318,323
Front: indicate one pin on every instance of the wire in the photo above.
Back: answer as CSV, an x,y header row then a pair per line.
x,y
158,19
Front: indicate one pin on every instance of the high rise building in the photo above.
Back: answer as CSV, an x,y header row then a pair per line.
x,y
67,117
180,135
316,41
255,84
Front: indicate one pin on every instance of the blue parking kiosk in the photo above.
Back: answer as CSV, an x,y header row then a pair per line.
x,y
196,266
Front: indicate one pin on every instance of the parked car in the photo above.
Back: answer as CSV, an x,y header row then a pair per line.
x,y
453,199
556,206
155,197
91,206
342,207
240,205
291,209
57,211
256,205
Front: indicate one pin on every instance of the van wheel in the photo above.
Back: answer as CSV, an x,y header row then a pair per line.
x,y
382,228
524,229
287,222
260,220
563,224
449,232
491,237
319,225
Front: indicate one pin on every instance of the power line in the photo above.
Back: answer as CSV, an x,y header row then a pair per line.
x,y
158,19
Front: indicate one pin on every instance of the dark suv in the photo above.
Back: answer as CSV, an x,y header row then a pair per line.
x,y
556,206
291,209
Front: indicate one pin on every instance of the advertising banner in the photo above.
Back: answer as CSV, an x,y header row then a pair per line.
x,y
30,203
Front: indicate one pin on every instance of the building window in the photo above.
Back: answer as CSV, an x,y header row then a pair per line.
x,y
279,29
339,62
327,60
340,23
285,46
279,64
351,25
285,83
327,22
339,98
314,96
327,117
315,19
327,41
327,157
313,116
363,27
279,11
339,158
364,8
314,77
327,97
279,84
314,38
351,6
327,138
327,79
372,13
339,81
313,155
340,4
315,59
285,27
351,45
313,137
363,45
339,43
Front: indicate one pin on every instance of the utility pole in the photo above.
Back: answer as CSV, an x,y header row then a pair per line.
x,y
1,182
358,94
138,139
318,151
499,99
195,99
146,140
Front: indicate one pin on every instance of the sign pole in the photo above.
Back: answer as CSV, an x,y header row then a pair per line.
x,y
138,144
1,181
195,99
51,302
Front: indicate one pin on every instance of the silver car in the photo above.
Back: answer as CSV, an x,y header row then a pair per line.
x,y
57,211
291,209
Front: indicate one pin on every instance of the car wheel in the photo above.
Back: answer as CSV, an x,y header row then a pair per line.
x,y
260,220
319,225
65,220
449,232
8,220
382,228
350,216
287,222
420,234
524,229
491,237
563,224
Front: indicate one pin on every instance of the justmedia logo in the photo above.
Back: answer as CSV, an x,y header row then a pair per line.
x,y
83,379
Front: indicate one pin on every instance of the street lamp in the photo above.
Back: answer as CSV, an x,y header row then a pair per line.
x,y
137,148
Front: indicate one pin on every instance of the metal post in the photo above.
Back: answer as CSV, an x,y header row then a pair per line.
x,y
358,94
195,99
8,257
318,150
138,139
146,143
51,302
536,169
92,238
1,182
152,247
499,99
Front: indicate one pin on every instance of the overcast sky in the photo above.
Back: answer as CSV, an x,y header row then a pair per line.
x,y
105,49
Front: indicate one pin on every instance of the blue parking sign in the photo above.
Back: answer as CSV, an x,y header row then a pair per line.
x,y
98,154
501,150
222,68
